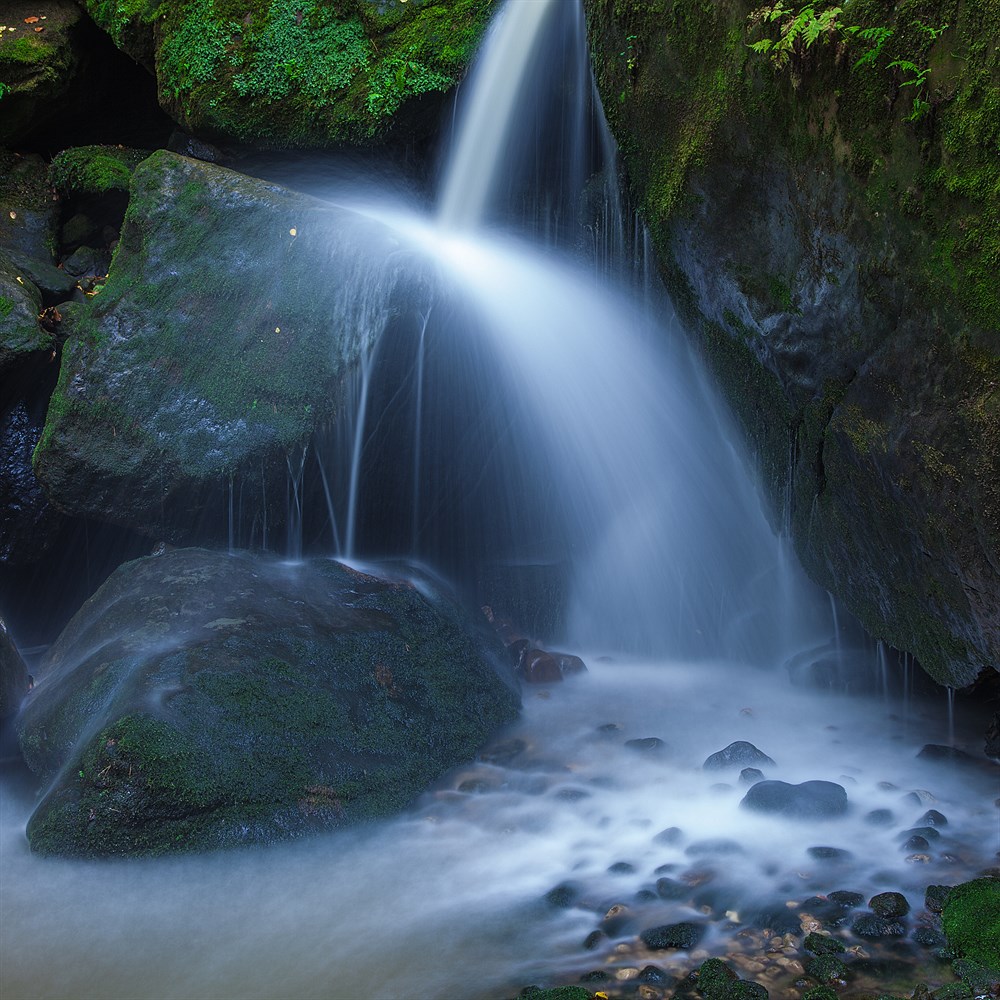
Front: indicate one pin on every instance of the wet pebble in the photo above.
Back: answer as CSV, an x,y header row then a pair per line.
x,y
880,817
563,896
932,818
684,935
827,969
672,835
845,898
668,888
593,940
928,937
927,832
751,775
889,904
829,854
919,844
621,868
823,944
871,925
648,744
738,754
936,896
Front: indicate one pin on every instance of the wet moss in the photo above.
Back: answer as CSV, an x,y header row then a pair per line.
x,y
94,169
971,921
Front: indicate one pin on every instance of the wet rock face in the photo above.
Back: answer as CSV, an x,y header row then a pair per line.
x,y
201,700
224,335
800,230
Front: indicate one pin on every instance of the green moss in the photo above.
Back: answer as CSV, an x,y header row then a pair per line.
x,y
971,921
24,49
94,169
6,306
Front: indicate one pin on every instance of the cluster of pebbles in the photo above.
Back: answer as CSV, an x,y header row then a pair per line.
x,y
813,930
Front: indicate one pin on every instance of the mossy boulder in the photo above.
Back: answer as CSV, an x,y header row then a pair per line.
x,y
233,312
833,246
306,74
971,921
40,51
201,699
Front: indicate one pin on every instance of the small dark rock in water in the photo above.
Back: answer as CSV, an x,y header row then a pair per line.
x,y
749,775
672,835
808,800
778,920
669,888
649,744
563,895
646,896
927,937
609,729
880,817
932,818
572,794
889,904
945,755
738,754
570,664
684,935
936,896
714,976
664,869
597,976
870,925
539,667
621,868
916,844
918,797
654,976
827,969
822,944
927,832
845,898
829,854
593,939
716,845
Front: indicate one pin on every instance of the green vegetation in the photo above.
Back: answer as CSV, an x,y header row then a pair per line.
x,y
6,306
94,169
302,73
971,921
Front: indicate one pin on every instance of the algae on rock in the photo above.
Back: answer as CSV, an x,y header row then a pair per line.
x,y
203,699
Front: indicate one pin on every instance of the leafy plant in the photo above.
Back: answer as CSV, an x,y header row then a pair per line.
x,y
798,30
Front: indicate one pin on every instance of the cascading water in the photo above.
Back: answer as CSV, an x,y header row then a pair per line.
x,y
578,432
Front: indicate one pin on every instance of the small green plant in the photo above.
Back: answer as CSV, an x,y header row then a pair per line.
x,y
798,30
4,90
630,54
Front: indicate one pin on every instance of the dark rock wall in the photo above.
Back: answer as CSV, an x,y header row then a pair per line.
x,y
829,230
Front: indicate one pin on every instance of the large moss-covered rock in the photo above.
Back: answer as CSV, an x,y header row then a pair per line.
x,y
971,921
297,72
39,53
201,699
232,314
831,230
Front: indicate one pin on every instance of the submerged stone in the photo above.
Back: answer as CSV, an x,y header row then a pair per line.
x,y
808,800
889,904
202,700
738,754
684,935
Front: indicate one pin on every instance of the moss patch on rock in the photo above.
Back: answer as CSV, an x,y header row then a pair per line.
x,y
971,921
278,73
235,700
94,169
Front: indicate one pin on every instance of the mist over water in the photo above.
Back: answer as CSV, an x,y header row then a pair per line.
x,y
536,404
